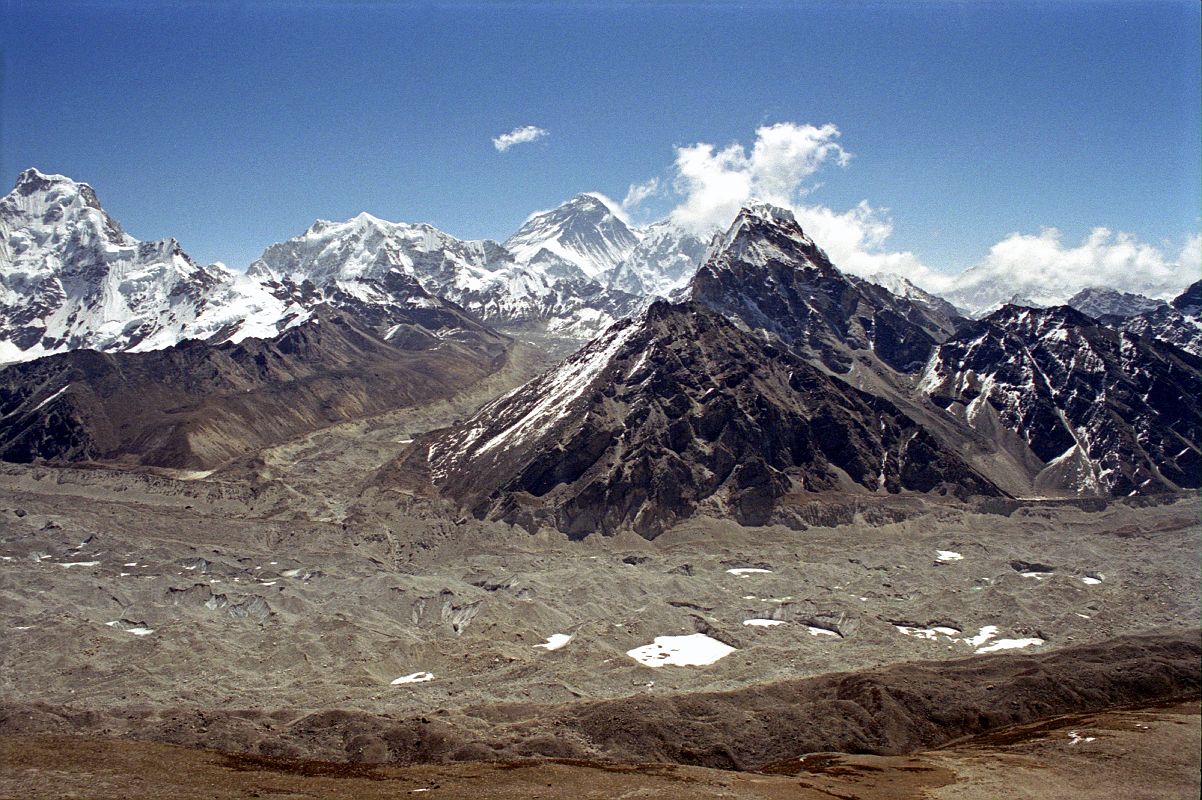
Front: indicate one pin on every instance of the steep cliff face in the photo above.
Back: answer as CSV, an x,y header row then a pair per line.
x,y
1104,411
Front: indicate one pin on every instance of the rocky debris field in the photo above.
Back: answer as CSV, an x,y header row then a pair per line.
x,y
184,612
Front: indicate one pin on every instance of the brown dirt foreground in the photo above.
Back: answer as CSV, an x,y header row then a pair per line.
x,y
1131,754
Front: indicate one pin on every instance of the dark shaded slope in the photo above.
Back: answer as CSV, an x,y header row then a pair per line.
x,y
676,409
197,405
1103,411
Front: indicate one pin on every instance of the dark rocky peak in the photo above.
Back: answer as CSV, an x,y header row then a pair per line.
x,y
768,275
1031,321
676,410
1189,302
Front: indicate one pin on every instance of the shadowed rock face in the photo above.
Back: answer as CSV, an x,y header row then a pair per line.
x,y
1179,323
769,275
197,405
1107,412
674,409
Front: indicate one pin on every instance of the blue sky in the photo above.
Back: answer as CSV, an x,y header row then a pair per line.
x,y
232,126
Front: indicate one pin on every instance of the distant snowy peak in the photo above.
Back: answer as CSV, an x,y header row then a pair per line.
x,y
71,278
663,262
988,286
1101,303
368,247
584,232
373,264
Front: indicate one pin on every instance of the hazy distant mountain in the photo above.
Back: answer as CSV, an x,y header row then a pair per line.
x,y
1111,305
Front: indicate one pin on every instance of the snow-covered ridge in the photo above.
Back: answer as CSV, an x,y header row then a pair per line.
x,y
70,278
584,232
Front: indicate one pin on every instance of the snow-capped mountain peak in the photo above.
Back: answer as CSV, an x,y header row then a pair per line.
x,y
585,232
71,278
663,262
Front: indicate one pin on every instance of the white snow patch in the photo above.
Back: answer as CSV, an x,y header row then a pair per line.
x,y
928,633
816,631
416,677
67,564
763,623
136,630
555,641
984,635
1010,644
1093,579
948,555
694,650
560,387
749,571
1075,737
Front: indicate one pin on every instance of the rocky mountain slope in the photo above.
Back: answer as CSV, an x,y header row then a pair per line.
x,y
1091,409
1110,305
903,287
674,409
769,275
1178,323
196,405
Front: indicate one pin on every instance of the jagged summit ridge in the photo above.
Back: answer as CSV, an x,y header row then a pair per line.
x,y
71,278
766,273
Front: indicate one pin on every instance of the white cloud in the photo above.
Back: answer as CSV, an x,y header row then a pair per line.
x,y
714,184
638,192
855,241
522,135
1041,268
1190,258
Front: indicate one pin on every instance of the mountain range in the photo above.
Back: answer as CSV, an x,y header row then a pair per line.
x,y
768,375
780,377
